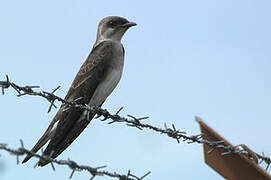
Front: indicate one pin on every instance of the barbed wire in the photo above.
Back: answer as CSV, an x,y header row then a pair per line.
x,y
132,121
71,164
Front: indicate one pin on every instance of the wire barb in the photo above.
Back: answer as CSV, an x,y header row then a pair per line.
x,y
132,121
21,151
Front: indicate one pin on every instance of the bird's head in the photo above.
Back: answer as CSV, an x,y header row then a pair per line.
x,y
113,28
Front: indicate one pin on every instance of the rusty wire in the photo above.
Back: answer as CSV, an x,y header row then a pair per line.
x,y
132,121
71,164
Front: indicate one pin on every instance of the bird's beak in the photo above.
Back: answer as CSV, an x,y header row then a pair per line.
x,y
129,24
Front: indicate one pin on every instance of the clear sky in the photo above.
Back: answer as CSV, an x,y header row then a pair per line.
x,y
185,58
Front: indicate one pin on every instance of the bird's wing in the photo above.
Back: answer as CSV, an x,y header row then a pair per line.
x,y
69,127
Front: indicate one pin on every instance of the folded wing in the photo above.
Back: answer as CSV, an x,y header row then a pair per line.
x,y
73,121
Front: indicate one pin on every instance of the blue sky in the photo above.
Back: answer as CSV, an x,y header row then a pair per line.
x,y
185,58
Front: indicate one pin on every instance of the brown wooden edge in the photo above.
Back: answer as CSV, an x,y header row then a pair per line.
x,y
231,166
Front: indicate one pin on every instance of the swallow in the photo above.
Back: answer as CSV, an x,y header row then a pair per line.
x,y
95,81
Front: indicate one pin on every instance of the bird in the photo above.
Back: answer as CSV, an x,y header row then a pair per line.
x,y
94,82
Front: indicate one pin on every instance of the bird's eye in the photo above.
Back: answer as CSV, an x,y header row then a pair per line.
x,y
113,23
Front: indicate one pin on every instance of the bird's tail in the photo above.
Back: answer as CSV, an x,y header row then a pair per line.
x,y
43,140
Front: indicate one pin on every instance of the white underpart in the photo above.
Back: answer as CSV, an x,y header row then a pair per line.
x,y
109,35
112,77
105,88
52,132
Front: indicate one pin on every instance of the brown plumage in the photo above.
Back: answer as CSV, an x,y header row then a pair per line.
x,y
94,82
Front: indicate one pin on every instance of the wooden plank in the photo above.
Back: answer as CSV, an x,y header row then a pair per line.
x,y
232,166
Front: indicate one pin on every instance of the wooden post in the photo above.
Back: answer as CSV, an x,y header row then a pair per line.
x,y
231,166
